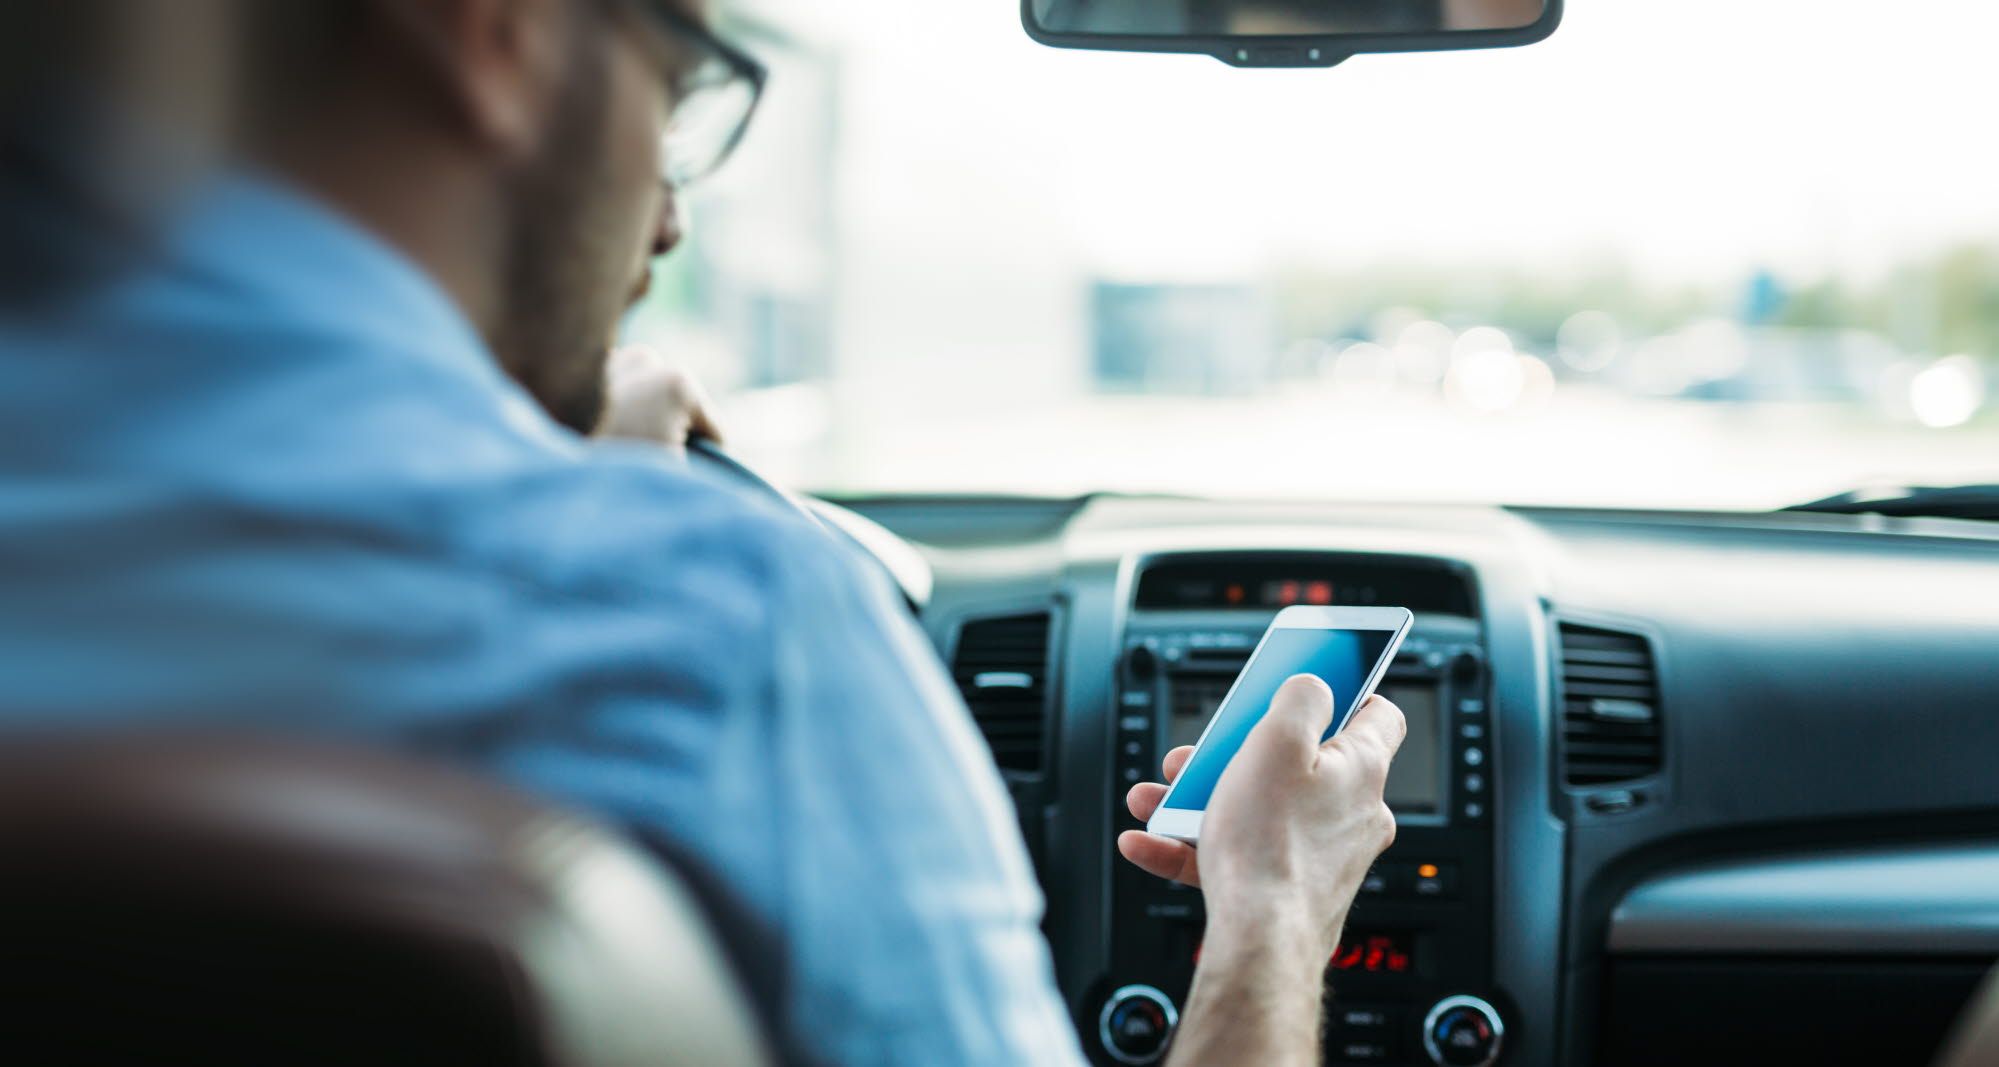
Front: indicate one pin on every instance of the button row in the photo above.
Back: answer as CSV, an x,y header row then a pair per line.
x,y
1424,880
1361,1052
1363,1033
1472,780
1136,731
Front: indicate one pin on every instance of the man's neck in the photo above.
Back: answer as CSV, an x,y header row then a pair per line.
x,y
417,197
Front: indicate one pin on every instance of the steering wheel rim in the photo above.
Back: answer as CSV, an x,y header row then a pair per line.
x,y
905,568
708,451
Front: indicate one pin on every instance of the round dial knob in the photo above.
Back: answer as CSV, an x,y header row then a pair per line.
x,y
1136,1023
1467,668
1463,1032
1142,663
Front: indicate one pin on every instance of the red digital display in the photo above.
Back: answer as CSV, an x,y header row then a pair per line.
x,y
1373,953
1367,953
1279,582
1284,592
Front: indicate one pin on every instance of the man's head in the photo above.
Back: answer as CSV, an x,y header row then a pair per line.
x,y
512,147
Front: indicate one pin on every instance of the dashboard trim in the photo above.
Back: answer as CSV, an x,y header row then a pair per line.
x,y
1928,900
1530,850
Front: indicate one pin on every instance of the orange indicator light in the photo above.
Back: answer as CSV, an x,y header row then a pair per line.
x,y
1428,870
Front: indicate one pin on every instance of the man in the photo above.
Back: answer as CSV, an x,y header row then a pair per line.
x,y
281,480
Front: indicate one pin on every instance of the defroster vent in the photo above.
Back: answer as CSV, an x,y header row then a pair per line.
x,y
1610,707
1001,666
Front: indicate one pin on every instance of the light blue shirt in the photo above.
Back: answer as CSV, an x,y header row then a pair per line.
x,y
278,480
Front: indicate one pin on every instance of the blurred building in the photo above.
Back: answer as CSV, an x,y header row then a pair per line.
x,y
1196,340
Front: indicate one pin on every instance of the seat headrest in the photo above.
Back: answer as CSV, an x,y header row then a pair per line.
x,y
220,901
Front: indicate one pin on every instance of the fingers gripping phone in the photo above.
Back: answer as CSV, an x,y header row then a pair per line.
x,y
1348,648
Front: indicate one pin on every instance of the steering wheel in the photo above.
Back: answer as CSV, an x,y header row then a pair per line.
x,y
702,449
906,568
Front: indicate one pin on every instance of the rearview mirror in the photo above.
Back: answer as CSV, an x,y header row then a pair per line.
x,y
1288,33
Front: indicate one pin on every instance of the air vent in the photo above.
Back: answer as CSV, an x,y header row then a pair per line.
x,y
1001,666
1610,707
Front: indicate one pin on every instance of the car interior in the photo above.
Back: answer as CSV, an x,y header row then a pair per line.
x,y
1669,794
1683,783
1703,751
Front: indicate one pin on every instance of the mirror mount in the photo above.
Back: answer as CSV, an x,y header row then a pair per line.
x,y
1247,54
1149,27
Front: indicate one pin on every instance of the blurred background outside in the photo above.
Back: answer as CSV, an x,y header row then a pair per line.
x,y
1699,254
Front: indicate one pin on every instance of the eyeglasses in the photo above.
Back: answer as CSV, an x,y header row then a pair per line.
x,y
712,92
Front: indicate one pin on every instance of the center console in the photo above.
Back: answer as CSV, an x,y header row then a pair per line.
x,y
1412,980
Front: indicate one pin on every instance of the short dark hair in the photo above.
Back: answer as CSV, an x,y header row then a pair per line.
x,y
58,225
45,51
293,50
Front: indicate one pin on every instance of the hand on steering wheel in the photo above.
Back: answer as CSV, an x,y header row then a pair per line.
x,y
647,398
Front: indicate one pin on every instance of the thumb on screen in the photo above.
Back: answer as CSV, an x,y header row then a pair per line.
x,y
1289,733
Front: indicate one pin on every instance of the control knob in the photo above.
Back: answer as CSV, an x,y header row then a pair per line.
x,y
1463,1032
1467,669
1136,1023
1141,663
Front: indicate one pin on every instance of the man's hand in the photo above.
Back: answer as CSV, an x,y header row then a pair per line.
x,y
1289,833
648,399
1292,822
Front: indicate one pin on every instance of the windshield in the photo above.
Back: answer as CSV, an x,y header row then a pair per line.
x,y
1706,254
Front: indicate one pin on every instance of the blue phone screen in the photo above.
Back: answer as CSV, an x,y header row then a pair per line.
x,y
1342,658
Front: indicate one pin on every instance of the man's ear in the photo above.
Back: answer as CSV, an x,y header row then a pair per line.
x,y
498,63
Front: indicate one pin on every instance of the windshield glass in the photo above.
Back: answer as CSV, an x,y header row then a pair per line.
x,y
1705,254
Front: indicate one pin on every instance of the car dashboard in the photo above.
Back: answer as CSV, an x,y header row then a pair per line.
x,y
1678,788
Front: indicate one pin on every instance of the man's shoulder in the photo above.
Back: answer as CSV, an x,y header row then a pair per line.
x,y
621,522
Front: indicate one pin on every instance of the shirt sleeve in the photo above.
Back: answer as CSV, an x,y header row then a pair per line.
x,y
908,872
770,708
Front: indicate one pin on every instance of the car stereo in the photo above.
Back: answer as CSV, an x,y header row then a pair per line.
x,y
1415,965
1415,781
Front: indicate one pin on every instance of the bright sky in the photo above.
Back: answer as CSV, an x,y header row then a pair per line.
x,y
1694,137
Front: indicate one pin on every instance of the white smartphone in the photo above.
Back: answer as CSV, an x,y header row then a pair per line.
x,y
1349,648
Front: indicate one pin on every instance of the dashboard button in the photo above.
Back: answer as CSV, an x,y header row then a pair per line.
x,y
1474,810
1363,1018
1474,783
1474,756
1472,731
1362,1052
1436,880
1136,1024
